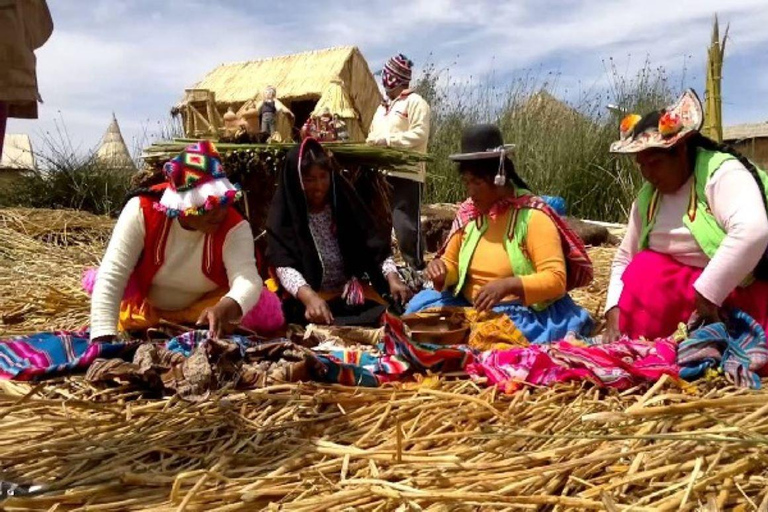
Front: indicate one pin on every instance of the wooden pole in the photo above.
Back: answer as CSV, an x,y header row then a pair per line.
x,y
713,127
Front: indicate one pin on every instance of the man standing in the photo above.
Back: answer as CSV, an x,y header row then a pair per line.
x,y
24,26
402,121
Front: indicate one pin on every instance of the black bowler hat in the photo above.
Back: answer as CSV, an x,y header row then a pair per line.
x,y
482,141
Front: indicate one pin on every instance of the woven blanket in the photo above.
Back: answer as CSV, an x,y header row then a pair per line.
x,y
739,349
51,354
619,365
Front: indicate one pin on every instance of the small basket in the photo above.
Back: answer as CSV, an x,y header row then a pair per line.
x,y
437,328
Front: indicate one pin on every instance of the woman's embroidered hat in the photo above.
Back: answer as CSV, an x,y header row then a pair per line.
x,y
197,182
481,142
685,117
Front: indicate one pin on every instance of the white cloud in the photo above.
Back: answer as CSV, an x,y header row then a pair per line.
x,y
136,57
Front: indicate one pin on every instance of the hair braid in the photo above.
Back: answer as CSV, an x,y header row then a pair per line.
x,y
700,141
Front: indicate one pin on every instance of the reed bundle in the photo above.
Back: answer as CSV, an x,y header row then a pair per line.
x,y
346,153
444,446
42,255
439,444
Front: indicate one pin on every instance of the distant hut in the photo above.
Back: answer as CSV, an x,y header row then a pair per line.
x,y
17,158
113,152
338,79
751,140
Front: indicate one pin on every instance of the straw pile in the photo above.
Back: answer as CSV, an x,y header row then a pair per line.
x,y
444,446
441,444
42,255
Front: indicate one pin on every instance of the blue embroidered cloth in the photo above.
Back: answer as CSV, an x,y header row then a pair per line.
x,y
738,348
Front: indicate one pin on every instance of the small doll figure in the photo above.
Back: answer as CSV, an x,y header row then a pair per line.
x,y
326,126
342,133
268,111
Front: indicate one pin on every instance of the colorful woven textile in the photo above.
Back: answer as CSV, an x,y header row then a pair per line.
x,y
401,357
619,365
739,349
558,320
51,354
579,271
199,163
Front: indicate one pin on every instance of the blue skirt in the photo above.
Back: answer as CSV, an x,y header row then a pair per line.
x,y
553,324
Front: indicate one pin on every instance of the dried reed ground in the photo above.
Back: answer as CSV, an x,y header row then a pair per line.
x,y
447,445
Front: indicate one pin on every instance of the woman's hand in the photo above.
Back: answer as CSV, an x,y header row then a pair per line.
x,y
612,332
494,292
221,318
437,272
707,311
398,289
316,309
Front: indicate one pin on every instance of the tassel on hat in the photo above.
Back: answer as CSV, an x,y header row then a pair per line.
x,y
501,176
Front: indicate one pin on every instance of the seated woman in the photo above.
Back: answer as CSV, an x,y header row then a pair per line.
x,y
696,232
323,242
180,253
506,249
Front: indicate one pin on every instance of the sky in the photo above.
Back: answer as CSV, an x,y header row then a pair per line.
x,y
134,58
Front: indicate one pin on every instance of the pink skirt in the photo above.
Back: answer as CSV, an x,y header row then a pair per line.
x,y
658,295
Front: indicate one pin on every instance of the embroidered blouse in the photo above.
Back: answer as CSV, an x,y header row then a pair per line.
x,y
321,227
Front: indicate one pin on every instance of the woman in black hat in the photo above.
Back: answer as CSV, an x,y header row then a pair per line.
x,y
508,250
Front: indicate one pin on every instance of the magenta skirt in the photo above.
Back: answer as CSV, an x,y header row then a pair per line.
x,y
659,295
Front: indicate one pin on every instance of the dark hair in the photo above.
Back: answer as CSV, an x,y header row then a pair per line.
x,y
488,168
700,141
312,158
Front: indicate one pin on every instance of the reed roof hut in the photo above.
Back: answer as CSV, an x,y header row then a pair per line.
x,y
113,151
17,157
335,78
751,140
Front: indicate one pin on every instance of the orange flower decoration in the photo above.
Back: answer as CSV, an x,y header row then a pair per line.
x,y
670,124
628,123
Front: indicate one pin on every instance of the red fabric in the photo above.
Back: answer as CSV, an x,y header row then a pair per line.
x,y
579,270
658,295
157,226
3,122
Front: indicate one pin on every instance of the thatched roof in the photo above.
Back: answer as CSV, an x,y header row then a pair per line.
x,y
17,153
298,76
337,101
336,77
745,131
113,151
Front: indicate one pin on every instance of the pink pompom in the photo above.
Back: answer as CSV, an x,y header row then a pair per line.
x,y
266,316
88,279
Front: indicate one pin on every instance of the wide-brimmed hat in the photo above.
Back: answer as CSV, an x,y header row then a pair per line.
x,y
480,142
678,121
485,142
197,182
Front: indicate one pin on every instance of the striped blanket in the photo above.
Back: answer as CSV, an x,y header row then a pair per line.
x,y
739,349
400,357
52,354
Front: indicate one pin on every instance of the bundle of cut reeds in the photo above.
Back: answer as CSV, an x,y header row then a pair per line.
x,y
42,257
443,446
346,153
